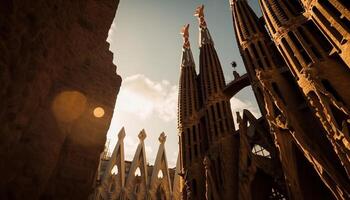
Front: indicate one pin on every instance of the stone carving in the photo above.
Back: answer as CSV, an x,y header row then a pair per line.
x,y
200,14
320,99
185,36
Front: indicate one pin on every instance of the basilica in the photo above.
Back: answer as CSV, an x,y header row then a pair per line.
x,y
297,61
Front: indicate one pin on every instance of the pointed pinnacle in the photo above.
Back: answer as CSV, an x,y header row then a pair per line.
x,y
121,134
199,13
185,36
162,138
142,135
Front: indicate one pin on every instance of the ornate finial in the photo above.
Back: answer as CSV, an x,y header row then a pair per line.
x,y
200,14
185,36
231,3
162,138
142,135
121,134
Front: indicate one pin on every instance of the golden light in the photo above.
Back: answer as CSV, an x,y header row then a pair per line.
x,y
68,105
99,112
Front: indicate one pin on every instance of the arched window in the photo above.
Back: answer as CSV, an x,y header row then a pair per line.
x,y
114,170
260,151
160,174
138,172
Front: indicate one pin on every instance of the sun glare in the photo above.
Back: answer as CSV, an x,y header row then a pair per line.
x,y
99,112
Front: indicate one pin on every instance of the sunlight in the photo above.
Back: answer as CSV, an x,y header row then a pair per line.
x,y
99,112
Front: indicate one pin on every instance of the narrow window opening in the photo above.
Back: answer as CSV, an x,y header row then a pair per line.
x,y
260,151
309,42
336,13
221,126
299,46
291,53
114,170
194,187
188,135
218,110
215,130
138,172
195,151
194,133
160,174
295,6
329,26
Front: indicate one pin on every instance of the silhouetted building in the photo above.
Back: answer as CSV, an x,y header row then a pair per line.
x,y
297,62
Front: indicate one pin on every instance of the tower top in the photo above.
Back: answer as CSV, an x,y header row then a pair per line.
x,y
142,135
200,14
121,134
185,36
205,37
162,138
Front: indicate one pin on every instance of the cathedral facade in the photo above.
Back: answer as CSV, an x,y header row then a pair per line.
x,y
297,61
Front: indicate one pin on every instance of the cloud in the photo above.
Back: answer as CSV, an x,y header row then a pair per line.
x,y
143,97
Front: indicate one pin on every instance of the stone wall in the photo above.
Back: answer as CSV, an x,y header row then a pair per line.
x,y
55,69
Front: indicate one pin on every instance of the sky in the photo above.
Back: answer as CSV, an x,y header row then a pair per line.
x,y
146,42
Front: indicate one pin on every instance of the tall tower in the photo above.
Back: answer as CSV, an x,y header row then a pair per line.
x,y
191,141
324,79
333,19
295,128
208,146
216,120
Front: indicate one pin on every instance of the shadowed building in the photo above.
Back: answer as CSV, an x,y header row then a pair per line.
x,y
217,161
57,96
297,64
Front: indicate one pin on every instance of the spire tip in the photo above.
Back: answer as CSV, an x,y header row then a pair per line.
x,y
199,13
185,36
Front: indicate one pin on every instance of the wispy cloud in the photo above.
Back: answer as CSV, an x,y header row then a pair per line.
x,y
143,97
145,103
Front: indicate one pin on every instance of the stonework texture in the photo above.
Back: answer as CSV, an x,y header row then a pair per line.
x,y
55,69
297,61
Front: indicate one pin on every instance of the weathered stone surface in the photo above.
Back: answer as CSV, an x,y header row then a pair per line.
x,y
55,69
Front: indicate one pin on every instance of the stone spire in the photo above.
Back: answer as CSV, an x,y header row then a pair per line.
x,y
188,97
203,30
211,75
245,20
